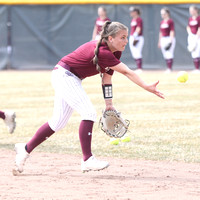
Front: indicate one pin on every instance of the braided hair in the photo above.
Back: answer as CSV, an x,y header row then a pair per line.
x,y
108,29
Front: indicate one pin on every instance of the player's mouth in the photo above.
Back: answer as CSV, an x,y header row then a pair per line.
x,y
123,47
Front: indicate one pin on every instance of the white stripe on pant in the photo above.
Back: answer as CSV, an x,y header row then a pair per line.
x,y
69,96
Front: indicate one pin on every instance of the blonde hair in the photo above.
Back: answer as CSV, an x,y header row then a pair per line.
x,y
108,29
195,8
166,10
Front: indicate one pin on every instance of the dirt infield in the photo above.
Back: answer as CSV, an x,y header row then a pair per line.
x,y
57,176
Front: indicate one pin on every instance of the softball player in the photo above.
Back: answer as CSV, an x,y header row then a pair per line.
x,y
9,119
167,39
99,23
193,30
136,39
88,60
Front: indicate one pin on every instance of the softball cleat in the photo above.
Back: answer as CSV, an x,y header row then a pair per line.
x,y
10,121
92,164
21,156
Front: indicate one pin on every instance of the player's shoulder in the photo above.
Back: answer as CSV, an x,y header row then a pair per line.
x,y
105,52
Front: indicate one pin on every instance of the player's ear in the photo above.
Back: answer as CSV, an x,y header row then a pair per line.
x,y
110,38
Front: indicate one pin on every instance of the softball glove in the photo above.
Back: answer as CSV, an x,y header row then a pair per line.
x,y
168,46
135,42
113,124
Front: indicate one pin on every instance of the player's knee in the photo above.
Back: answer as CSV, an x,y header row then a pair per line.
x,y
55,125
89,116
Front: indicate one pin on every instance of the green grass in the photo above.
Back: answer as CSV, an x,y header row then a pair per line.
x,y
160,129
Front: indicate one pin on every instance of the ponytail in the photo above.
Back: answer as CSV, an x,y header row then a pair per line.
x,y
96,51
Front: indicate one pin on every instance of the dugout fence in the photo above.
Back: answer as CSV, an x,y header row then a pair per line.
x,y
36,34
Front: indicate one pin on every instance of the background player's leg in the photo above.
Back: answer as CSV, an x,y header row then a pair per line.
x,y
169,63
136,51
131,39
2,115
196,62
196,57
139,63
168,54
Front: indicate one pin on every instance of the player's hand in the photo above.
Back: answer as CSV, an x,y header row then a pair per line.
x,y
110,108
153,88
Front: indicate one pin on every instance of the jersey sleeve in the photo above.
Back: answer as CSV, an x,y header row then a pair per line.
x,y
108,59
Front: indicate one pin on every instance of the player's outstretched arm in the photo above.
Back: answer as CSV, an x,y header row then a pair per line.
x,y
123,69
107,80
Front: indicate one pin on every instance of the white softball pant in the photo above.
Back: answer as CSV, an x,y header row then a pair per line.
x,y
167,54
194,43
69,96
136,50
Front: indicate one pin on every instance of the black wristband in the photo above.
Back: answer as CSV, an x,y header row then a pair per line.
x,y
107,91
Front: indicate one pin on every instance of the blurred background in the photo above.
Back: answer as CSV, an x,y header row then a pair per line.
x,y
36,36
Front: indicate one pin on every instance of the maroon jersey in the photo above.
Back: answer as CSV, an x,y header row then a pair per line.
x,y
194,24
99,24
166,27
136,23
81,61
